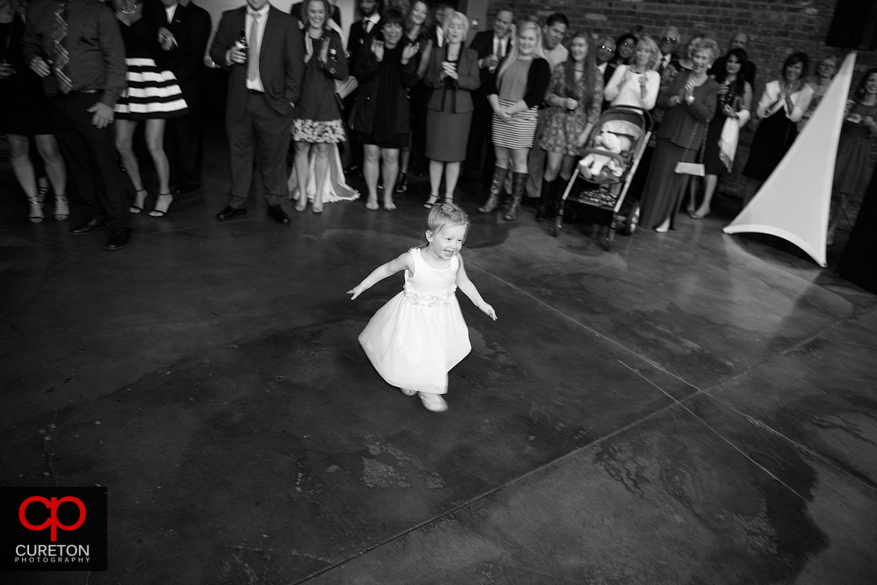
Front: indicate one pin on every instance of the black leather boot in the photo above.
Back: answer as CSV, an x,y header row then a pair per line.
x,y
499,175
519,182
546,201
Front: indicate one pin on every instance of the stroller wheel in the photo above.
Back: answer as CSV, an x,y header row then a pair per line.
x,y
632,223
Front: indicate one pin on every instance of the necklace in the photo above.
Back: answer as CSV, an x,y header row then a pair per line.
x,y
129,11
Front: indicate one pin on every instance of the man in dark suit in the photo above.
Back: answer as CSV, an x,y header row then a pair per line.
x,y
359,40
264,83
492,46
77,49
186,31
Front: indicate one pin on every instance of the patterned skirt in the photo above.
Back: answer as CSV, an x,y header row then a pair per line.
x,y
314,131
519,132
151,93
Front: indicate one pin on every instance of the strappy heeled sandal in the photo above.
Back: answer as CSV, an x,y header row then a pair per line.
x,y
433,199
161,211
36,211
62,208
42,193
139,201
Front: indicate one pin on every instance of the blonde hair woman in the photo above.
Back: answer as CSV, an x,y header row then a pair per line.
x,y
520,86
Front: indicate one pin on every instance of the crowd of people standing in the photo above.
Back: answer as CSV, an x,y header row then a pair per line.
x,y
515,105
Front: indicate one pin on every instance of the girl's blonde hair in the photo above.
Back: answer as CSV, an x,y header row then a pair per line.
x,y
445,215
513,55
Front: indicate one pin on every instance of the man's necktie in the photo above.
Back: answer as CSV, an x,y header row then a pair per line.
x,y
366,25
60,57
253,46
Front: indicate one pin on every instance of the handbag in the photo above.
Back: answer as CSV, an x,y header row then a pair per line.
x,y
693,168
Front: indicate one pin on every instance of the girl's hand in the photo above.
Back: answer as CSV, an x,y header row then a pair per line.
x,y
487,310
6,70
729,111
570,104
309,47
723,89
504,115
378,49
580,141
358,290
869,122
450,70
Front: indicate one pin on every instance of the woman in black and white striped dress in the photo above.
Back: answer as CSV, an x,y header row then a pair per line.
x,y
153,95
521,83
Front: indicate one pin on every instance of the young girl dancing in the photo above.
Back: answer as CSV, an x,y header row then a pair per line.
x,y
419,335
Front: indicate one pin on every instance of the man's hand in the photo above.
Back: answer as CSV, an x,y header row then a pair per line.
x,y
166,39
103,115
236,55
6,70
490,62
408,52
40,67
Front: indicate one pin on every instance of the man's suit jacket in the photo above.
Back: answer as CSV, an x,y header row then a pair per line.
x,y
359,42
482,43
191,28
281,61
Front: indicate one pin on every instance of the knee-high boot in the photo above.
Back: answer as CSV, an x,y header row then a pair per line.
x,y
546,201
519,182
499,175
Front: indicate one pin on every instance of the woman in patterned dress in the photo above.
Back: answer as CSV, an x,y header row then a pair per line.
x,y
317,125
575,96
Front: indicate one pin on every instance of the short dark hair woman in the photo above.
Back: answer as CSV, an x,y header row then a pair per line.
x,y
382,120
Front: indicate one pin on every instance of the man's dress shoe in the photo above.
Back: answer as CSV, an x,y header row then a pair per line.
x,y
119,238
230,213
91,225
276,213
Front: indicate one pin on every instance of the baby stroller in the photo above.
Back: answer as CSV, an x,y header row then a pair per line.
x,y
602,177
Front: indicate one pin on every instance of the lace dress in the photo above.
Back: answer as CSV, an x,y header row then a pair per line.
x,y
419,335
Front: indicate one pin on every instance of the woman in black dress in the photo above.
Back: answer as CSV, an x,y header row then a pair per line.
x,y
781,107
382,120
734,102
24,112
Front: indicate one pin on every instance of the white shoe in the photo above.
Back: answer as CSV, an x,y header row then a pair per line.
x,y
408,391
433,402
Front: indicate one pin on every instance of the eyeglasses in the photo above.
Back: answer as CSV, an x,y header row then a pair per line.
x,y
607,48
668,39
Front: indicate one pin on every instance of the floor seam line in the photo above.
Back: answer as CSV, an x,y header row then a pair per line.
x,y
554,462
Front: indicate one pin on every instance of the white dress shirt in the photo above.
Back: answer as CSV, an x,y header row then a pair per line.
x,y
170,11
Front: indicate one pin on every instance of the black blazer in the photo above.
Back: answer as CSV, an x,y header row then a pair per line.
x,y
191,28
359,42
281,61
482,43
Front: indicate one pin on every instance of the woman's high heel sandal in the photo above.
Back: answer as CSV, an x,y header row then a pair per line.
x,y
433,199
36,211
62,208
42,193
139,201
162,205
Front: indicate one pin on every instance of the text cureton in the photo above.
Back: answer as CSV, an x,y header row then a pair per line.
x,y
52,550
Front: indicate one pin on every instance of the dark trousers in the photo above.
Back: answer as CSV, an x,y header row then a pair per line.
x,y
92,158
479,133
184,143
265,133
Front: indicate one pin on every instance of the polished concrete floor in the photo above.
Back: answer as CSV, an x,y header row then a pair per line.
x,y
688,408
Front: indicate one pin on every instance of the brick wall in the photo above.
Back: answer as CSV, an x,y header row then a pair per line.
x,y
776,28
